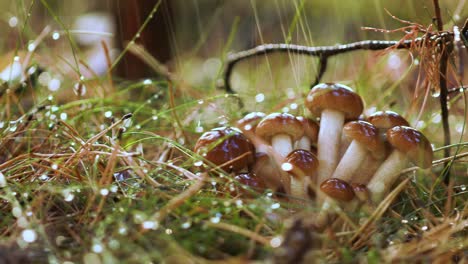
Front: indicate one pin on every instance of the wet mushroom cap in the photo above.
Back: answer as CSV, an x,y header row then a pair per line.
x,y
361,191
279,123
337,189
387,119
413,143
228,146
334,96
367,135
311,128
251,180
250,121
303,162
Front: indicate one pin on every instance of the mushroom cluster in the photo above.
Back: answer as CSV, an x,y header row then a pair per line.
x,y
336,156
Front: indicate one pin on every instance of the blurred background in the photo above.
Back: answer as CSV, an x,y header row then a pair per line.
x,y
193,38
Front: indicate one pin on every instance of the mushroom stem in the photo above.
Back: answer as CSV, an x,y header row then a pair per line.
x,y
368,168
282,144
304,143
386,175
350,161
297,188
331,124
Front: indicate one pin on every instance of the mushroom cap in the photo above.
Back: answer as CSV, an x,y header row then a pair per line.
x,y
413,143
279,123
361,191
337,189
311,128
366,134
226,145
251,180
387,119
334,96
249,121
303,162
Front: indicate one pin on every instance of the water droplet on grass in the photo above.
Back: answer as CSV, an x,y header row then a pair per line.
x,y
108,114
55,35
150,225
259,98
97,248
13,21
29,235
276,241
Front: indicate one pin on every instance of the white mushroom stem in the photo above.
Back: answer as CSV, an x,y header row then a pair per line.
x,y
368,168
298,188
386,175
331,124
351,161
282,144
344,144
304,143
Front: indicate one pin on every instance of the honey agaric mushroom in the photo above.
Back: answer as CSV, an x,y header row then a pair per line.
x,y
300,164
338,192
281,129
333,103
365,142
249,180
409,145
267,169
382,120
361,192
250,121
311,129
337,189
226,147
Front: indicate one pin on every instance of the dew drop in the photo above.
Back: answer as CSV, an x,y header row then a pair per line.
x,y
104,192
286,166
199,129
108,114
186,225
29,235
201,102
97,248
55,35
259,98
31,47
276,242
3,182
63,116
150,225
198,163
275,206
13,21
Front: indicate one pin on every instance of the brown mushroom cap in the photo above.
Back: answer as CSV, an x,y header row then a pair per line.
x,y
249,122
334,96
311,128
337,189
413,143
251,180
303,162
279,123
226,145
387,119
361,191
366,134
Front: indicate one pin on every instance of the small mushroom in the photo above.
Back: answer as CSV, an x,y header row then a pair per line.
x,y
227,148
361,192
250,121
309,138
249,181
337,189
281,129
302,165
365,142
409,145
338,192
382,120
333,103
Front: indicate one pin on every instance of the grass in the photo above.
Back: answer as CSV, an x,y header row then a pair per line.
x,y
82,180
